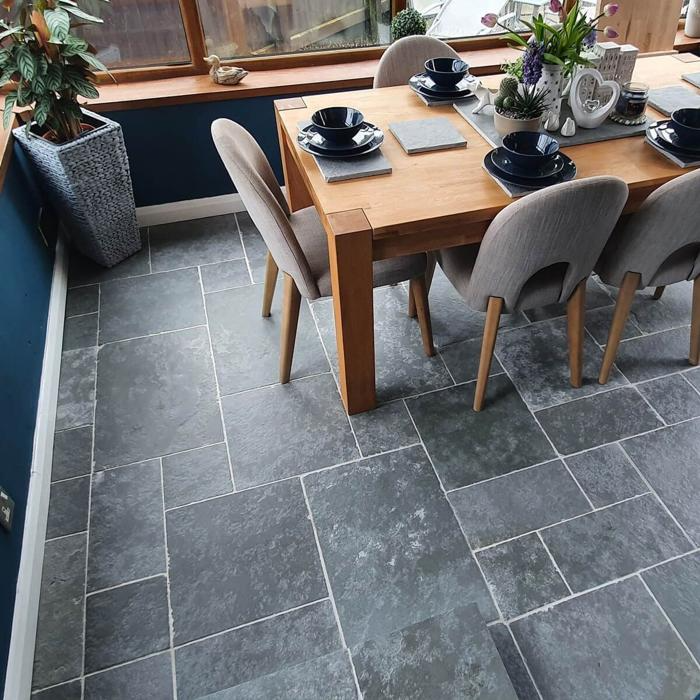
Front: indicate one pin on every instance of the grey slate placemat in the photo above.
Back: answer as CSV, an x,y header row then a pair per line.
x,y
668,99
680,161
420,135
607,131
437,102
334,170
511,190
692,78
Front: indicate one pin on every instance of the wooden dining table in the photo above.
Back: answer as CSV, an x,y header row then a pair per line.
x,y
429,201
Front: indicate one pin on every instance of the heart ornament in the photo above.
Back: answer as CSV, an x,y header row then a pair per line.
x,y
588,112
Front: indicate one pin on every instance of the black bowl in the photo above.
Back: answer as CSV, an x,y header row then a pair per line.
x,y
446,72
338,124
686,123
530,149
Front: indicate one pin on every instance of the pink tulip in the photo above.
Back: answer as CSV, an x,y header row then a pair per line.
x,y
555,5
610,33
489,20
611,9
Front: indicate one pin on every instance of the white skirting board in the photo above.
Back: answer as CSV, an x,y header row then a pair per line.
x,y
189,209
18,682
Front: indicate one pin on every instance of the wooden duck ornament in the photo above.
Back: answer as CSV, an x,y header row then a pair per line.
x,y
224,75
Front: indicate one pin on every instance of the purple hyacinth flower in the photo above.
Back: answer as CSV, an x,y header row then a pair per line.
x,y
590,39
532,63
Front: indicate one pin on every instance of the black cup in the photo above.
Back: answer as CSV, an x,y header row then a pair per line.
x,y
446,72
686,124
530,150
338,124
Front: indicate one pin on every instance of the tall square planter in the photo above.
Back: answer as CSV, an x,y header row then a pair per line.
x,y
88,182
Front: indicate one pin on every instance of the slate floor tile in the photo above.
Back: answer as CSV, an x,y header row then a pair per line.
x,y
289,429
150,304
196,475
598,322
611,643
247,346
198,242
596,297
392,547
387,427
402,368
512,505
156,396
72,453
68,507
127,537
693,376
654,355
126,623
76,388
80,332
225,275
255,248
668,459
466,446
671,311
59,636
676,586
513,661
537,360
462,359
613,542
449,656
606,475
597,420
82,300
522,575
238,558
150,678
229,659
672,397
65,691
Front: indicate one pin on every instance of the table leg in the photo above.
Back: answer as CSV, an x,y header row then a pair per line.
x,y
350,251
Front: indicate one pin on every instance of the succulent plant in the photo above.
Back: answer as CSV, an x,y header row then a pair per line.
x,y
509,86
528,102
408,22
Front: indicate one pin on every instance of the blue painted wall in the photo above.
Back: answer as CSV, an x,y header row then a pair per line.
x,y
26,268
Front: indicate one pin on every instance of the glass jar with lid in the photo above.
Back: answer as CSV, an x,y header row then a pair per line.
x,y
632,103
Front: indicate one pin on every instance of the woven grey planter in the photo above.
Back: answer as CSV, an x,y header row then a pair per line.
x,y
89,184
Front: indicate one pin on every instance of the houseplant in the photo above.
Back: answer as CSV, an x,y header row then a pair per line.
x,y
80,156
518,107
408,22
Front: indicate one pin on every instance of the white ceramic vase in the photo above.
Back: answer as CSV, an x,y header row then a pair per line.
x,y
506,125
553,80
692,20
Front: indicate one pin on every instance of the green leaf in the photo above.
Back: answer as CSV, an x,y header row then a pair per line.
x,y
58,22
67,2
10,32
81,86
41,110
26,63
93,61
54,77
10,101
550,58
38,85
83,15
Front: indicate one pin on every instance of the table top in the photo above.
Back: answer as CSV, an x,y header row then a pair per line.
x,y
451,187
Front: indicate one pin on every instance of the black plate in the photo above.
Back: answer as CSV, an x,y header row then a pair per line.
x,y
310,147
417,86
667,133
665,145
363,138
567,173
552,167
423,80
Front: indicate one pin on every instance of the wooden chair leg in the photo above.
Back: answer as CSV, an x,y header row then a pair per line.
x,y
419,293
270,282
575,316
429,272
290,319
625,297
694,356
658,292
412,311
488,343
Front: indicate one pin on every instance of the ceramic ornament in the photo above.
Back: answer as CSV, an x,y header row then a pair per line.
x,y
486,97
569,128
609,54
591,112
552,122
625,63
224,75
588,84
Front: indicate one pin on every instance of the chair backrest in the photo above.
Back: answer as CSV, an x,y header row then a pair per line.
x,y
264,200
539,248
406,57
661,241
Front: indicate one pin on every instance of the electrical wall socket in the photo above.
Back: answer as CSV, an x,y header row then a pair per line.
x,y
7,509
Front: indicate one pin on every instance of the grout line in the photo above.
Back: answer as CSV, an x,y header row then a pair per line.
x,y
651,407
87,313
274,384
66,536
149,459
151,335
123,584
687,381
525,663
245,252
554,561
69,478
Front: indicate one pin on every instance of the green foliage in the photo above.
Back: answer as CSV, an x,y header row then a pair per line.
x,y
46,67
509,86
407,23
514,68
527,102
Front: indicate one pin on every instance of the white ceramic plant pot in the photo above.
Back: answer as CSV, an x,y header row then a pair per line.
x,y
505,125
552,80
692,20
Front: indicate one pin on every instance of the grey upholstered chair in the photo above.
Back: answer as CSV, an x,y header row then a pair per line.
x,y
657,246
405,57
297,241
539,250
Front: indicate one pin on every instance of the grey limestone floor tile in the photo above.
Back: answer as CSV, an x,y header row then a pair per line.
x,y
197,242
72,453
156,396
150,304
613,542
241,655
596,297
606,475
150,679
462,360
513,661
449,656
672,397
58,654
126,623
512,505
247,346
279,431
196,475
597,420
80,332
598,322
255,248
66,691
654,355
127,537
668,459
671,311
392,547
402,368
76,388
68,507
387,427
676,586
238,558
466,446
693,376
328,677
82,300
521,575
611,643
225,275
537,360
